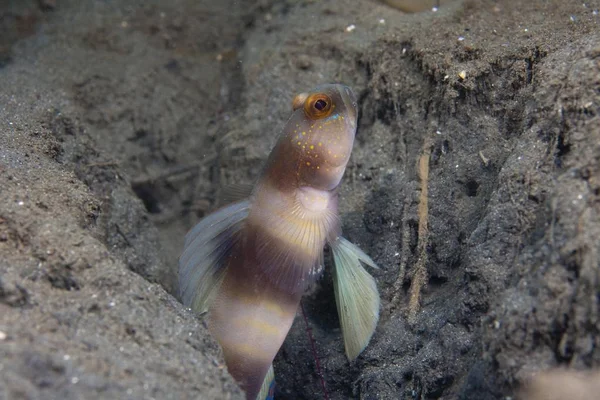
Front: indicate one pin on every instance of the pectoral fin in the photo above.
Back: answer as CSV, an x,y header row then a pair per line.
x,y
356,296
203,263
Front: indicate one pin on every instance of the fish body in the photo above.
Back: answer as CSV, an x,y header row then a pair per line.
x,y
248,264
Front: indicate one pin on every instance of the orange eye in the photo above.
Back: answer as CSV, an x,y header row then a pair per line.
x,y
318,106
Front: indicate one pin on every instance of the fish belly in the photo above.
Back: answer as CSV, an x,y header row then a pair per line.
x,y
250,318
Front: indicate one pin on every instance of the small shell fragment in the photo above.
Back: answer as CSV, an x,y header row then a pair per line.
x,y
484,159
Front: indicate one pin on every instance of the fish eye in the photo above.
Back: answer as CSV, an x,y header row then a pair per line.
x,y
317,106
320,104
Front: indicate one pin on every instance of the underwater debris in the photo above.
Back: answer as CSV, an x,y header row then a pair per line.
x,y
413,6
420,271
562,385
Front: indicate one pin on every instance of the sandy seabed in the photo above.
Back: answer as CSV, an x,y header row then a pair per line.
x,y
121,121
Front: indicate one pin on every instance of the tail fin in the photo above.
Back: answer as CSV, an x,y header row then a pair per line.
x,y
267,390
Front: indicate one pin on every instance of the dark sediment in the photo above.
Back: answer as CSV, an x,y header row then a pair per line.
x,y
120,123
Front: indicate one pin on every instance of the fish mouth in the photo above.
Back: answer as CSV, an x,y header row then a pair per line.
x,y
350,102
349,96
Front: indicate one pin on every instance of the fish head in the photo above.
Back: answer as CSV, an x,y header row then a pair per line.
x,y
321,134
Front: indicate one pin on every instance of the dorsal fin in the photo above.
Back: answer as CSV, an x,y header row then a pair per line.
x,y
207,246
235,192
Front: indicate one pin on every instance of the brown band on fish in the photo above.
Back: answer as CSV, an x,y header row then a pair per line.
x,y
250,347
